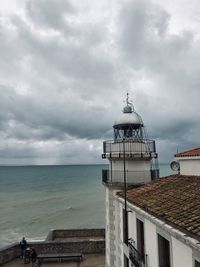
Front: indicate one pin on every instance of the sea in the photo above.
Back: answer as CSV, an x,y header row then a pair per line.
x,y
35,199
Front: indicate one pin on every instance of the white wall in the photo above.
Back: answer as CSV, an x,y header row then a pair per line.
x,y
138,165
182,254
131,165
138,171
119,244
189,166
110,227
151,243
132,225
114,230
121,237
107,233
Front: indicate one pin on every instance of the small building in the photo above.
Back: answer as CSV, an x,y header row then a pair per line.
x,y
150,221
189,161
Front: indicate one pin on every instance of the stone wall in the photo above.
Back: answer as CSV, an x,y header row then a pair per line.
x,y
9,253
76,233
82,246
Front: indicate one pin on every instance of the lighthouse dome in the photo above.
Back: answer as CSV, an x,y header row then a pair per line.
x,y
129,126
129,118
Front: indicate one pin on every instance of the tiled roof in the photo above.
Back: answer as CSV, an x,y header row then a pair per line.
x,y
189,153
174,199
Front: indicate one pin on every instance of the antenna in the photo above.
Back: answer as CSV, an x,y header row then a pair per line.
x,y
127,98
129,102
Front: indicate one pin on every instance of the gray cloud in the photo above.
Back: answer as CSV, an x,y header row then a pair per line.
x,y
49,13
66,66
32,118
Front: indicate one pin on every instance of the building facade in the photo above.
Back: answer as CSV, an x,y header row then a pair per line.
x,y
164,223
150,221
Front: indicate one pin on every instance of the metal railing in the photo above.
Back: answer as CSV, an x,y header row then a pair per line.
x,y
144,146
105,176
132,177
136,258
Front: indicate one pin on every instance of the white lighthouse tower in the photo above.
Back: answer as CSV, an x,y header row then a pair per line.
x,y
132,162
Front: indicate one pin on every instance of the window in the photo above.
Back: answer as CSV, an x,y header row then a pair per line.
x,y
140,237
126,261
163,252
197,264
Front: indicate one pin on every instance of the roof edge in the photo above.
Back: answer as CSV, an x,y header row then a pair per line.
x,y
185,235
195,152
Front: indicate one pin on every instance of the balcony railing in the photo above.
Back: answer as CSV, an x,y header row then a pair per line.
x,y
155,173
132,177
128,146
136,258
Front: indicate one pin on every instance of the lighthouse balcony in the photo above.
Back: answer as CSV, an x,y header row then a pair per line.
x,y
129,149
132,177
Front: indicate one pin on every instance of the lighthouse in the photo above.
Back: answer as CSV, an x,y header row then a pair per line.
x,y
133,161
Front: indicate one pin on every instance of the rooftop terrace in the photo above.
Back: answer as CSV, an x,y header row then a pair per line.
x,y
89,242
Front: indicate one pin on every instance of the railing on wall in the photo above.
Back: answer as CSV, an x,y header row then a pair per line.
x,y
131,176
136,258
144,146
155,173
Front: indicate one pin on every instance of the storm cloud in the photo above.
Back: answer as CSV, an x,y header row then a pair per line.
x,y
67,65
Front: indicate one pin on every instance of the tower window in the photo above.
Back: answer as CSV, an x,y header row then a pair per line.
x,y
197,264
164,252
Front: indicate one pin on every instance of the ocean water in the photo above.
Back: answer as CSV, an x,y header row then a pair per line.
x,y
35,199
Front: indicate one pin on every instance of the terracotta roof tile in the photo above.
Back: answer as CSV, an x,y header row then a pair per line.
x,y
174,199
189,153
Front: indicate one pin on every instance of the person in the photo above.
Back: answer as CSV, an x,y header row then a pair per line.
x,y
23,245
27,256
33,255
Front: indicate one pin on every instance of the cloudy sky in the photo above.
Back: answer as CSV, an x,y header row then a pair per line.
x,y
65,67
